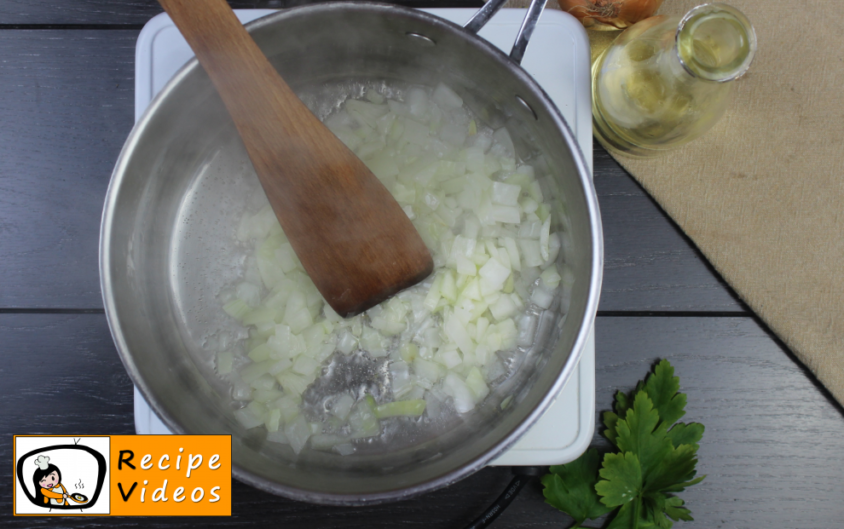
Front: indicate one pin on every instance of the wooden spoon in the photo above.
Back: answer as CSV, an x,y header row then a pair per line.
x,y
352,237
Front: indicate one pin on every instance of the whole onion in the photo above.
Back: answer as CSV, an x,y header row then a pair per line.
x,y
610,15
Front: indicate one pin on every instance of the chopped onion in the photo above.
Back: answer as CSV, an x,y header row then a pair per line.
x,y
224,362
483,216
297,433
247,419
410,408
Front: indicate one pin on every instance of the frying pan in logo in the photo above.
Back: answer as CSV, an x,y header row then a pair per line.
x,y
78,498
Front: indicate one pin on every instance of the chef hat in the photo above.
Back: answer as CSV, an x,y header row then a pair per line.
x,y
42,462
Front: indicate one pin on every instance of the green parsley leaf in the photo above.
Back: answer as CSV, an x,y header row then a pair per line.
x,y
663,389
627,514
624,518
686,434
622,479
656,457
674,470
571,488
654,508
638,434
674,508
622,404
611,422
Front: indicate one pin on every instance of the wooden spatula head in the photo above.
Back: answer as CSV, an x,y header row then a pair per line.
x,y
352,237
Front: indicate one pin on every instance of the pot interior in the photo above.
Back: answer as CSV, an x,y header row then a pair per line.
x,y
184,180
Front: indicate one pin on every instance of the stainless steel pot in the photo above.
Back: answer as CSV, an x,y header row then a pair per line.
x,y
183,176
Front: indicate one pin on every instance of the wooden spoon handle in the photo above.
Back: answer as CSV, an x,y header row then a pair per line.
x,y
351,235
246,81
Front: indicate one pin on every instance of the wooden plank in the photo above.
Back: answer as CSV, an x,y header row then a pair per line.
x,y
61,374
649,263
67,100
771,448
138,12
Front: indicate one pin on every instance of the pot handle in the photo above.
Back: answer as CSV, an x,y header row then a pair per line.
x,y
534,11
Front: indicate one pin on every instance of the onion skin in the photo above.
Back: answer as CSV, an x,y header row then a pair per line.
x,y
610,15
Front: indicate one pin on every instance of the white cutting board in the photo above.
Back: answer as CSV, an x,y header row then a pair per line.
x,y
558,58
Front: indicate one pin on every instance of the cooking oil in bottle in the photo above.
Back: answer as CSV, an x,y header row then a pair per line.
x,y
665,80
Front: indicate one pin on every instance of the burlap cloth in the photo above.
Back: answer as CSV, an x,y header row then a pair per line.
x,y
762,194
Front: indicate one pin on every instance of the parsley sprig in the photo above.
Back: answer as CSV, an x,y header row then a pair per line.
x,y
655,459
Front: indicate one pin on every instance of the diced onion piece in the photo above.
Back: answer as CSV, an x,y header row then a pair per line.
x,y
363,421
258,316
285,344
550,277
342,406
448,288
404,408
408,351
297,432
272,420
225,360
531,253
430,371
458,334
249,293
325,441
264,382
465,266
305,365
505,214
505,194
400,378
347,342
286,258
446,98
279,366
417,99
345,449
248,419
449,357
258,410
293,384
544,234
277,437
236,308
502,138
296,315
241,390
374,96
493,275
288,406
503,308
456,388
527,329
476,383
252,372
260,353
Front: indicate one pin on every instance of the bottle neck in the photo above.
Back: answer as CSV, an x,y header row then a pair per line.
x,y
715,42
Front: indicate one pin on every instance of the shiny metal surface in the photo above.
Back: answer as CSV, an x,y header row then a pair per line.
x,y
483,15
534,11
183,178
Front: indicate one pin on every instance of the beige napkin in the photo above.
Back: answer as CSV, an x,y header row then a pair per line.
x,y
762,194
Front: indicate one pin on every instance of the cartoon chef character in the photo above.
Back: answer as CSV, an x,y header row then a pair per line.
x,y
48,483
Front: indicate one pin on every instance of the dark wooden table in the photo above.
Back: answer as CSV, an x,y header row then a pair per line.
x,y
774,444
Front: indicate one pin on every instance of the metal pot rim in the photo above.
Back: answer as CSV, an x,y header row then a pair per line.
x,y
456,474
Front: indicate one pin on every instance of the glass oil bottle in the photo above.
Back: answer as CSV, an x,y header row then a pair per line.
x,y
666,80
